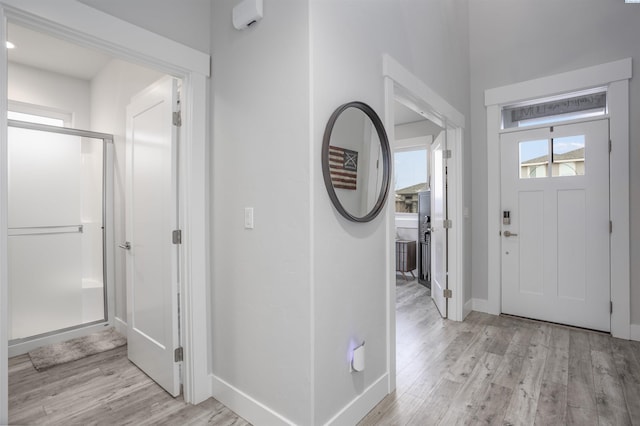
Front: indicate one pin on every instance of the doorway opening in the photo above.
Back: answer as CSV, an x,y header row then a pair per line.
x,y
89,79
614,78
446,223
555,226
85,26
414,135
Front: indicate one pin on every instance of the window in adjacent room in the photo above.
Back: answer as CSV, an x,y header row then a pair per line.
x,y
410,170
37,114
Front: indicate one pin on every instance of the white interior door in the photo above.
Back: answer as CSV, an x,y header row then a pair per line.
x,y
555,251
152,273
438,230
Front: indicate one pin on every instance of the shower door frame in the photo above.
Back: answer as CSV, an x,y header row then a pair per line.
x,y
23,345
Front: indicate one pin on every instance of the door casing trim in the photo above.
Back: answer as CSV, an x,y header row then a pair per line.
x,y
615,76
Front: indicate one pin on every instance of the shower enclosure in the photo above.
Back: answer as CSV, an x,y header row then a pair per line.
x,y
59,183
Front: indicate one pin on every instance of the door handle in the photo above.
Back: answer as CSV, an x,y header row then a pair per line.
x,y
509,234
126,245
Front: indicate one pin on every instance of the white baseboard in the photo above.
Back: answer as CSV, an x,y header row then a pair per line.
x,y
245,406
362,404
257,413
467,308
635,332
120,326
480,305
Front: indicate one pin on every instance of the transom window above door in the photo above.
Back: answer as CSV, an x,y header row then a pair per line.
x,y
571,106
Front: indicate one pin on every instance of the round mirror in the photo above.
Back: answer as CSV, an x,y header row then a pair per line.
x,y
356,161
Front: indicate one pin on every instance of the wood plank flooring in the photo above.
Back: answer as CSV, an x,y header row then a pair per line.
x,y
505,371
103,389
485,370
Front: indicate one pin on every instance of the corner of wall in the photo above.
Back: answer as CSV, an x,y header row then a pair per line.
x,y
353,412
120,325
467,308
480,305
635,332
252,410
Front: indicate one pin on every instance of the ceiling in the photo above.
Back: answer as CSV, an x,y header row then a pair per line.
x,y
45,52
405,115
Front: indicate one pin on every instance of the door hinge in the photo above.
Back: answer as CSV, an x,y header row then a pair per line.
x,y
610,227
609,145
610,307
447,224
446,153
177,119
447,293
178,354
176,236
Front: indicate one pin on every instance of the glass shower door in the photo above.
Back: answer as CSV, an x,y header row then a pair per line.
x,y
56,231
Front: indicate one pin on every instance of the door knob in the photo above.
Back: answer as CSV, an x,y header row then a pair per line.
x,y
509,234
126,245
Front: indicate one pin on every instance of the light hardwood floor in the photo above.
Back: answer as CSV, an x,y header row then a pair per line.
x,y
505,371
485,370
103,389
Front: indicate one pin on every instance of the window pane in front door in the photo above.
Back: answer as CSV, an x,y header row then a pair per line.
x,y
534,158
568,156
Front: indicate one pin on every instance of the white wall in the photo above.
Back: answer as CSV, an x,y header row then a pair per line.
x,y
261,319
350,264
185,21
111,92
51,90
509,47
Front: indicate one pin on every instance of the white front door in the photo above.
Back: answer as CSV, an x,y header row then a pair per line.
x,y
438,230
152,260
555,231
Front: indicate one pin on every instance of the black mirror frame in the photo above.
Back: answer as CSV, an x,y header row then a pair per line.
x,y
386,161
